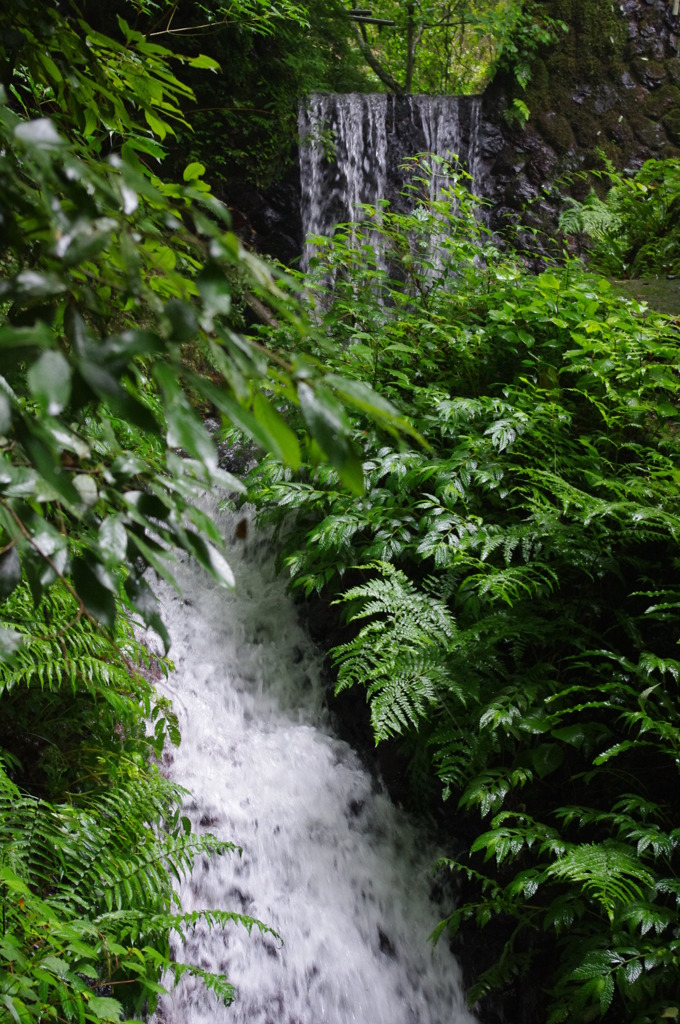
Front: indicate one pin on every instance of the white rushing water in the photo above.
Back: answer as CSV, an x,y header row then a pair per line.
x,y
328,861
343,159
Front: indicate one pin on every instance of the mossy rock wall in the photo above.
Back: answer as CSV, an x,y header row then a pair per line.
x,y
610,86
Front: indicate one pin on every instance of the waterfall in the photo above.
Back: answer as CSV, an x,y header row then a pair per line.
x,y
328,861
353,146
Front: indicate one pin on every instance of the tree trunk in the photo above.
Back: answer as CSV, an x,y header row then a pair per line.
x,y
410,46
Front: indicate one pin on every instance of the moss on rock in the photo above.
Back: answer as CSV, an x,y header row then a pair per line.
x,y
609,88
650,73
662,101
671,123
556,131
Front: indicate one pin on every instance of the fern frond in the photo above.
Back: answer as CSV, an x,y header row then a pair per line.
x,y
215,983
514,583
399,702
607,871
392,594
401,654
132,923
591,217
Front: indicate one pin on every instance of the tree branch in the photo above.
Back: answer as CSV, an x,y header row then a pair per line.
x,y
374,64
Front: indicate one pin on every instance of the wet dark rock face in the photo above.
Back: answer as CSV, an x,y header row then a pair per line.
x,y
611,86
268,220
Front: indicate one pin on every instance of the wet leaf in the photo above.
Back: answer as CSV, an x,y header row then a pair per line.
x,y
547,758
96,597
144,601
215,292
10,571
105,1008
113,541
40,134
185,427
211,559
49,379
283,441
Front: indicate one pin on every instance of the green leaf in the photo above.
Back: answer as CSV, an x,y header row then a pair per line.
x,y
324,418
12,881
632,970
330,431
202,61
40,134
105,1008
595,964
547,758
10,642
113,541
182,319
574,735
96,597
50,543
144,601
38,334
5,413
43,458
282,439
193,171
211,559
10,572
185,428
240,417
16,1008
31,286
215,291
55,965
85,240
87,489
605,992
156,557
158,127
363,397
49,379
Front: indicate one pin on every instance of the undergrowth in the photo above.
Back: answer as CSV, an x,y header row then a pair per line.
x,y
511,588
92,836
635,230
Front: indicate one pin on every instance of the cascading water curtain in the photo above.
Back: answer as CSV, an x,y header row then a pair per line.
x,y
353,147
343,159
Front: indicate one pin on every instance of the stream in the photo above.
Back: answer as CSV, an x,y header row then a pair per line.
x,y
328,861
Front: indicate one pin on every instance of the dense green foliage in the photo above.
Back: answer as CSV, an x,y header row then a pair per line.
x,y
115,285
510,578
108,274
267,64
452,46
635,230
513,589
91,833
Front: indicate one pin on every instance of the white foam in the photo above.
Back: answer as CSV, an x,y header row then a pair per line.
x,y
327,861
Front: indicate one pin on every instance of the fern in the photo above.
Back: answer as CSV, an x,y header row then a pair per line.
x,y
522,636
91,834
606,871
592,217
401,654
